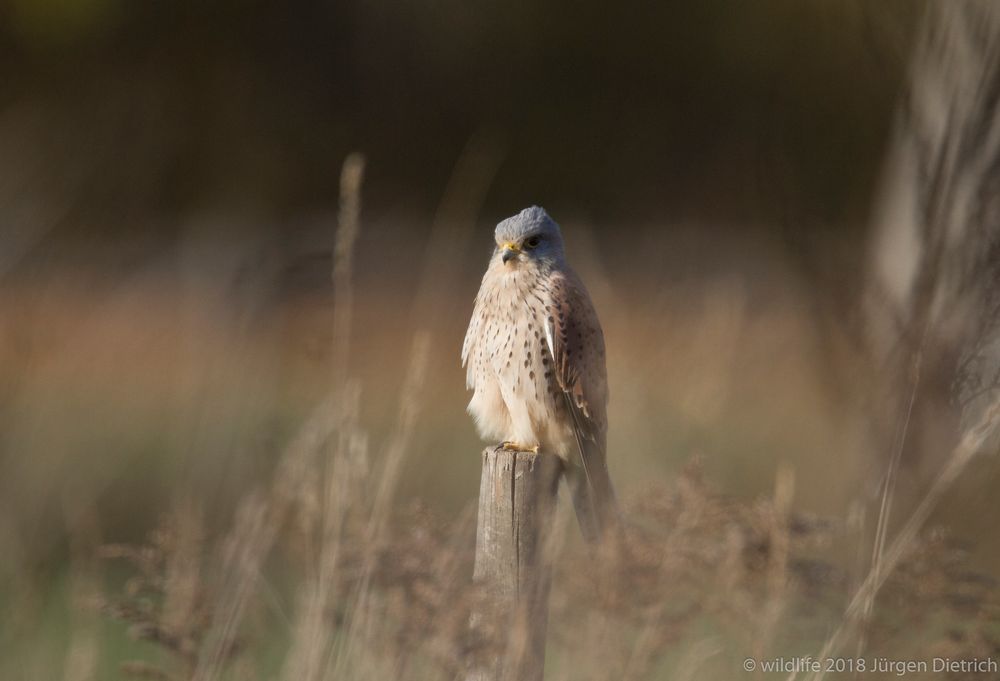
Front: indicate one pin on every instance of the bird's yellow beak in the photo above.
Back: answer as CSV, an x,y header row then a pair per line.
x,y
510,250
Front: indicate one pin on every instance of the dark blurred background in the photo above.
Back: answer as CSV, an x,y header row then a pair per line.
x,y
622,113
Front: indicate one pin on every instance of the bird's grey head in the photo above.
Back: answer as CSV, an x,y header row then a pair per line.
x,y
531,236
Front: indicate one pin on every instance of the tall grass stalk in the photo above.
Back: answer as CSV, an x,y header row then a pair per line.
x,y
970,445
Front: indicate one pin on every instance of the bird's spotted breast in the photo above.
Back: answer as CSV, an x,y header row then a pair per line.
x,y
513,348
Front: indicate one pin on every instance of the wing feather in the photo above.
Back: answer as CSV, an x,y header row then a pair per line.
x,y
576,343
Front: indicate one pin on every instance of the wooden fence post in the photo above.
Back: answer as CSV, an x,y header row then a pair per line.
x,y
517,495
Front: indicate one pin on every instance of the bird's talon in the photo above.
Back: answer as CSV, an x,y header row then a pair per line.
x,y
515,447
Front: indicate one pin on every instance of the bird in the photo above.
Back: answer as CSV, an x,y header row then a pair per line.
x,y
534,356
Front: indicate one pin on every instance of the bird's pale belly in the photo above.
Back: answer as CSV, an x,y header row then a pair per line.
x,y
518,399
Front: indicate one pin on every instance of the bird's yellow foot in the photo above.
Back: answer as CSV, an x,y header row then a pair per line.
x,y
515,447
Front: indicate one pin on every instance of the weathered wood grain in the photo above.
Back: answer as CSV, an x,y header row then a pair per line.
x,y
517,496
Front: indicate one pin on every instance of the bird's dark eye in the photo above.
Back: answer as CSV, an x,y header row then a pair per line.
x,y
532,242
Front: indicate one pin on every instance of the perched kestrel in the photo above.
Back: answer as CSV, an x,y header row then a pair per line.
x,y
534,357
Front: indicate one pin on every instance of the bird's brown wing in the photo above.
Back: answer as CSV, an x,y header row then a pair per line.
x,y
574,337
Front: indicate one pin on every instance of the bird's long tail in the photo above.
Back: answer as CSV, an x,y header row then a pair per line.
x,y
594,497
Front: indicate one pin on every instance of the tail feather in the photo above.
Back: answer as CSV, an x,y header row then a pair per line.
x,y
594,497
